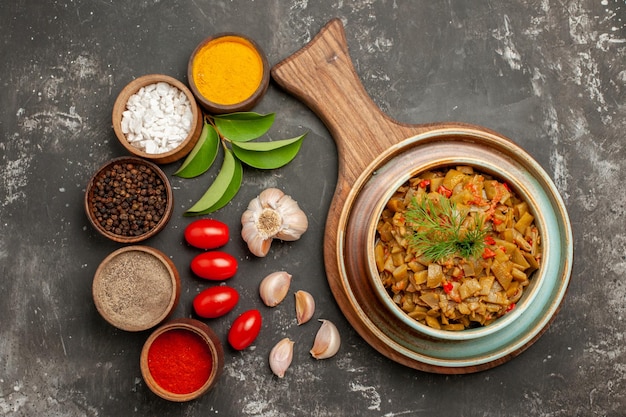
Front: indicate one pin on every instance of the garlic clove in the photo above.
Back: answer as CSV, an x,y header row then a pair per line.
x,y
295,222
254,207
327,341
270,197
256,243
305,306
274,287
281,356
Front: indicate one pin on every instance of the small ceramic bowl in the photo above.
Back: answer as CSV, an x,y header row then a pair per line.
x,y
176,377
222,61
165,157
136,288
129,200
471,333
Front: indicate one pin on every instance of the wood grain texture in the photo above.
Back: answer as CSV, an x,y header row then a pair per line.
x,y
322,76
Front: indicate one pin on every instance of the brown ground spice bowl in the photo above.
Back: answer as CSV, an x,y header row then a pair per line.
x,y
129,200
182,360
135,288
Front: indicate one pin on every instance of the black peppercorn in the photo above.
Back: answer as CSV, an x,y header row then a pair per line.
x,y
128,200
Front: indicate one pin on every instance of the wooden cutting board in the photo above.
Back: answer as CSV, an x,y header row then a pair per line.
x,y
322,76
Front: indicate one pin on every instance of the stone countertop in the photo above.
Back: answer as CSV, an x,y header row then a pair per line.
x,y
550,75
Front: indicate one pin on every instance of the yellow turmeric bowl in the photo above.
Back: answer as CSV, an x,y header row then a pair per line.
x,y
228,73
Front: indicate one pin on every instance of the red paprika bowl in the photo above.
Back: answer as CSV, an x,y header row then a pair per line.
x,y
107,216
182,360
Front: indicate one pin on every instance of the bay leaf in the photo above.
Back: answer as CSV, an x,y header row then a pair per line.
x,y
202,155
243,126
223,189
231,191
268,155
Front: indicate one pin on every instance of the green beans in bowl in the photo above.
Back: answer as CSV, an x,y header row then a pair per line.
x,y
456,248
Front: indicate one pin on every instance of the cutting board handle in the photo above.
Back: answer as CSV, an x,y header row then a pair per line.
x,y
322,75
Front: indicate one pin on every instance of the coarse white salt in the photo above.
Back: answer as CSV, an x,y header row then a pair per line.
x,y
157,118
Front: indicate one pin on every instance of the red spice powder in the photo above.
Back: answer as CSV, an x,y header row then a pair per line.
x,y
180,361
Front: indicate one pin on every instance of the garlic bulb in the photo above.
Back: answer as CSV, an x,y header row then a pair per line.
x,y
281,356
271,215
274,288
327,341
305,306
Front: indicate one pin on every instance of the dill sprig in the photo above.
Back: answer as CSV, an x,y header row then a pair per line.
x,y
438,231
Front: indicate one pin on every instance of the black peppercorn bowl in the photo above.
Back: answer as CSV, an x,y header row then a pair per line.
x,y
129,200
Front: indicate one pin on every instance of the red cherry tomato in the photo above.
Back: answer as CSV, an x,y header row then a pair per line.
x,y
245,329
215,301
214,265
206,234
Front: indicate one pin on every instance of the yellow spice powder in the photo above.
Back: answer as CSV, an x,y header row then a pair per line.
x,y
227,70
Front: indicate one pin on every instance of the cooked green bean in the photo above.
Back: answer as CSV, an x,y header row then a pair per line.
x,y
455,249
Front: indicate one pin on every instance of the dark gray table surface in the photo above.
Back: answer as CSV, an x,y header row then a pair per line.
x,y
551,75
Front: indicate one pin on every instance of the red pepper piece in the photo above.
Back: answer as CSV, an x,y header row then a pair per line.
x,y
489,240
444,191
424,183
447,287
488,253
510,307
497,221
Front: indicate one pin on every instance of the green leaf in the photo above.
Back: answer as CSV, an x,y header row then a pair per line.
x,y
243,126
202,155
223,189
231,191
268,155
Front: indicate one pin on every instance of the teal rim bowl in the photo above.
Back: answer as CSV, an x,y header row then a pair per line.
x,y
392,331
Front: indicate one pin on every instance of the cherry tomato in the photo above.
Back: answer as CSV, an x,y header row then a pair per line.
x,y
245,329
206,234
215,301
214,265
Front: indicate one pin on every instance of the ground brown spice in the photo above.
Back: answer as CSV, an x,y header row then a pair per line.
x,y
135,289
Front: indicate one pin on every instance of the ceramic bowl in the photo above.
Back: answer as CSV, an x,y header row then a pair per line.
x,y
395,333
212,365
135,288
110,221
499,173
120,106
230,63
